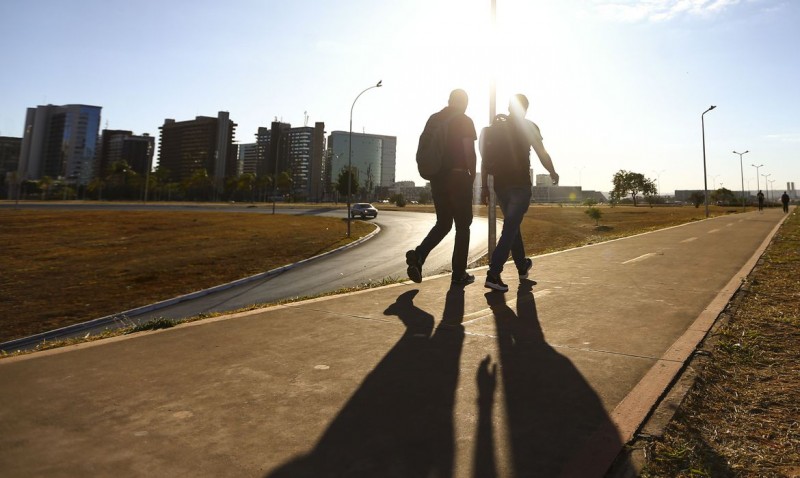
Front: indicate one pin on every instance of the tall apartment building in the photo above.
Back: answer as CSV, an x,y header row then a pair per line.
x,y
248,159
298,151
204,143
9,160
120,145
60,142
374,159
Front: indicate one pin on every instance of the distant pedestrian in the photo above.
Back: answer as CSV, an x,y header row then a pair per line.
x,y
785,201
451,189
512,185
760,196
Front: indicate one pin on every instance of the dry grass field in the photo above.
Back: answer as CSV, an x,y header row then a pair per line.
x,y
64,267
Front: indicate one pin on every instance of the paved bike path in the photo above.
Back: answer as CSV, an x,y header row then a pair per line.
x,y
549,379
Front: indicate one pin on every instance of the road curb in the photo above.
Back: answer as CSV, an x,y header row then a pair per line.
x,y
633,412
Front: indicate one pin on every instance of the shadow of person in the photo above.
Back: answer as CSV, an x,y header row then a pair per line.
x,y
399,422
551,409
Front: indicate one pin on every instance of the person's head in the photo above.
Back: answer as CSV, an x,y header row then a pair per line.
x,y
518,105
458,100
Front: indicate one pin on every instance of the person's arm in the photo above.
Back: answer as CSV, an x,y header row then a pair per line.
x,y
469,154
544,156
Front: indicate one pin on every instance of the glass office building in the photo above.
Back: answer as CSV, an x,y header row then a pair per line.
x,y
60,142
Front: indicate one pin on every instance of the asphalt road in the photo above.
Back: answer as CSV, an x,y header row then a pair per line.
x,y
381,257
378,258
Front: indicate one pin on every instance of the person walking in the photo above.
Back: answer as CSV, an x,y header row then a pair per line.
x,y
785,201
512,185
451,189
760,197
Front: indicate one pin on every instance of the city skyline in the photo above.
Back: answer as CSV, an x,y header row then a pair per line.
x,y
612,85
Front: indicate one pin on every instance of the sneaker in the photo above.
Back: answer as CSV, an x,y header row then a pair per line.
x,y
494,282
414,270
523,273
465,279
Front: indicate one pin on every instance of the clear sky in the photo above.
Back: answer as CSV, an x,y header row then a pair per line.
x,y
613,84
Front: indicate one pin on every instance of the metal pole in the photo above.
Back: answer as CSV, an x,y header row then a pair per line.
x,y
350,154
758,184
492,211
705,175
741,167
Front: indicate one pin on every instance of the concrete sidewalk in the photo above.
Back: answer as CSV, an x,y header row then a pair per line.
x,y
549,379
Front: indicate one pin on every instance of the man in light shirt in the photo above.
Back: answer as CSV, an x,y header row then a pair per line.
x,y
512,185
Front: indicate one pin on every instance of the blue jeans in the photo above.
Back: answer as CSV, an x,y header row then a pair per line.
x,y
452,197
514,203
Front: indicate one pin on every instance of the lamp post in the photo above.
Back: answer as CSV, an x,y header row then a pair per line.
x,y
771,188
491,210
758,184
350,154
766,183
705,175
658,181
741,168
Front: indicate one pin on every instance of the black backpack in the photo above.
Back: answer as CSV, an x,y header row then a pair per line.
x,y
432,146
503,150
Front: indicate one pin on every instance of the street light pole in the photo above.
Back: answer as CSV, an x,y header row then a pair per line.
x,y
705,175
350,154
741,168
766,184
491,209
758,184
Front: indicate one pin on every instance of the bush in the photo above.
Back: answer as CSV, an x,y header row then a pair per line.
x,y
399,200
595,214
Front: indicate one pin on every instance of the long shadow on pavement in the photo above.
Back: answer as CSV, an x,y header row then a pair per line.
x,y
399,423
552,411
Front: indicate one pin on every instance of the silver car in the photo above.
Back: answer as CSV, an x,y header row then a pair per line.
x,y
364,210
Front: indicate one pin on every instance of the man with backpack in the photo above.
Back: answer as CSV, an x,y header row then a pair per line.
x,y
505,154
451,172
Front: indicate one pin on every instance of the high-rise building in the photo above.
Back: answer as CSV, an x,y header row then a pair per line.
x,y
60,142
9,161
120,145
248,159
373,161
204,143
296,151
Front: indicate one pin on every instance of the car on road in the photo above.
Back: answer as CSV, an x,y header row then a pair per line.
x,y
364,210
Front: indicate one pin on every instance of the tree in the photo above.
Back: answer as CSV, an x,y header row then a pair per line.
x,y
198,185
341,183
697,198
629,182
723,197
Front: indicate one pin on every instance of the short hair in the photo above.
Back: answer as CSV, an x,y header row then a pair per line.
x,y
520,100
458,97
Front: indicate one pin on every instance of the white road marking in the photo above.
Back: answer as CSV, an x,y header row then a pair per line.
x,y
688,240
713,231
641,258
729,224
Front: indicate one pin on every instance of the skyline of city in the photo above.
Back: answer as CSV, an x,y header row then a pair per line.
x,y
612,85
